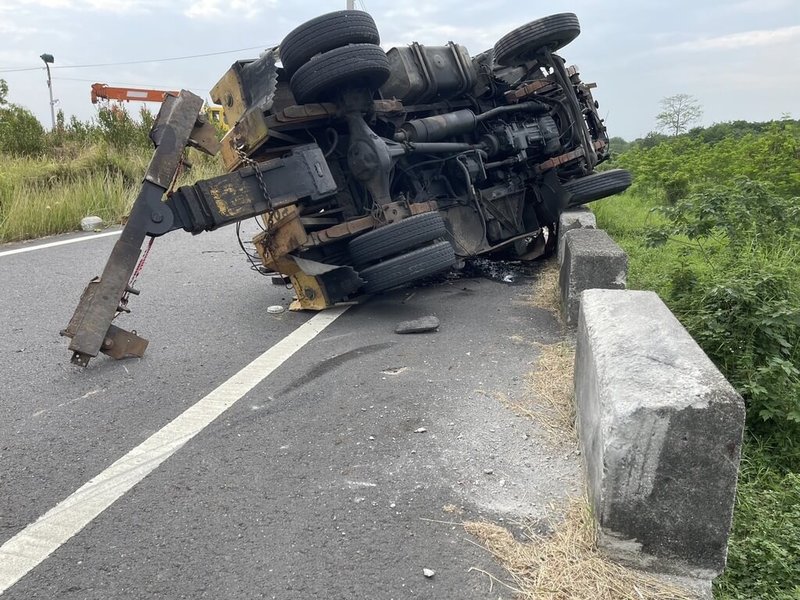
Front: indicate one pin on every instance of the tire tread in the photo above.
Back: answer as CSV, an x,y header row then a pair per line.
x,y
408,267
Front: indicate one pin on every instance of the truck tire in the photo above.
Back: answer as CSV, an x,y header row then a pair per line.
x,y
596,186
325,33
357,65
522,44
408,267
396,238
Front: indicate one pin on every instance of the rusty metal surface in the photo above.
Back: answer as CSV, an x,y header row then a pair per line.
x,y
119,344
204,137
423,207
170,134
100,302
565,158
287,235
541,86
355,226
342,230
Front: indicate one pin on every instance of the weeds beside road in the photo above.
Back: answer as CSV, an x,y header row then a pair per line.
x,y
723,251
49,181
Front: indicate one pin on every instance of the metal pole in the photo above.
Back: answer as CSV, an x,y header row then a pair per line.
x,y
52,104
351,4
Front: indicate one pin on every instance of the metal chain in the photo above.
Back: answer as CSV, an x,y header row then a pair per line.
x,y
270,220
269,224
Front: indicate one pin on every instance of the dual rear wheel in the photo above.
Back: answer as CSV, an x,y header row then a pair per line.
x,y
402,252
332,53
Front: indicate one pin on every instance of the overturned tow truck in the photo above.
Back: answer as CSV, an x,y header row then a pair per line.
x,y
369,169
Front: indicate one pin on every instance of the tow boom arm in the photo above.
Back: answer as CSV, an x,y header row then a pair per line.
x,y
178,125
206,205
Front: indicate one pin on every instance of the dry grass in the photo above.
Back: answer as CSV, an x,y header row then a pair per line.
x,y
546,293
567,565
46,196
549,401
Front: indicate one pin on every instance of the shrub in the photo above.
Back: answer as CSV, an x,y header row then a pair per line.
x,y
737,292
768,153
118,129
20,132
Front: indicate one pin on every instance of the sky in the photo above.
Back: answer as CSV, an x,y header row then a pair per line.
x,y
737,57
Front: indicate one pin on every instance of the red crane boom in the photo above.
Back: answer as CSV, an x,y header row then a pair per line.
x,y
100,91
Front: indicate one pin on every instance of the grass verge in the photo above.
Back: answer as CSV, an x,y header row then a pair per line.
x,y
40,197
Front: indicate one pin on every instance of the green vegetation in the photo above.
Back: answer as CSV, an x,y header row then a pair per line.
x,y
49,181
712,224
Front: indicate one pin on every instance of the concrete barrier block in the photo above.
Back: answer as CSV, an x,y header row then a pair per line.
x,y
574,218
661,432
591,260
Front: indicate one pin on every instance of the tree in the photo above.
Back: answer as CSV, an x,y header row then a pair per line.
x,y
677,113
3,91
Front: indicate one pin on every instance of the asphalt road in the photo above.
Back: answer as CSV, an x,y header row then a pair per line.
x,y
316,483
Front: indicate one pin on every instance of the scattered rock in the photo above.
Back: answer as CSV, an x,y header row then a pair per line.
x,y
420,325
428,573
91,223
420,430
488,471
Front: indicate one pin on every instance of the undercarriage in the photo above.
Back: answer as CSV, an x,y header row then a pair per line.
x,y
369,169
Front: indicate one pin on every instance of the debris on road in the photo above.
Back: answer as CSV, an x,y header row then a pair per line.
x,y
275,309
428,573
420,430
421,325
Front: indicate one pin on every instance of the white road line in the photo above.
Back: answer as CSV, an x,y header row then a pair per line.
x,y
75,240
38,540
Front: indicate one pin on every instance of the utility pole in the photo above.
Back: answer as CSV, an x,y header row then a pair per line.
x,y
351,4
48,58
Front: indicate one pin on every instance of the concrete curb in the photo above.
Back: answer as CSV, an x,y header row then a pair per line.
x,y
591,260
575,218
661,433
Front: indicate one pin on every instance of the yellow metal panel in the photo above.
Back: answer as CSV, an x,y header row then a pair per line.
x,y
247,135
288,235
229,94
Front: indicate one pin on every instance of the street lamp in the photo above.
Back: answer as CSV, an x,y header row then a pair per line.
x,y
48,60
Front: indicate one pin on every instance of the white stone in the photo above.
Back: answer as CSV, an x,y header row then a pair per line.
x,y
91,223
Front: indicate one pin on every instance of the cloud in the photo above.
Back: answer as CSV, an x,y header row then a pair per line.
x,y
744,39
108,6
761,6
14,31
217,9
